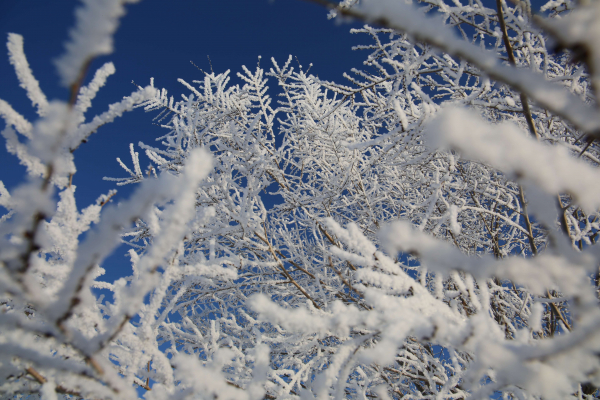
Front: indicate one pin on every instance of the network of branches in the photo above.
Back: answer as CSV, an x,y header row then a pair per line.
x,y
426,230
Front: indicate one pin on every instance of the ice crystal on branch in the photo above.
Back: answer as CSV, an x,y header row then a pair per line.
x,y
435,234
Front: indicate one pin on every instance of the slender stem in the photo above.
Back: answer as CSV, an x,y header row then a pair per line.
x,y
283,270
58,389
528,224
513,62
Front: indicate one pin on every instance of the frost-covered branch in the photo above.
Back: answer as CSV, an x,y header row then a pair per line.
x,y
413,249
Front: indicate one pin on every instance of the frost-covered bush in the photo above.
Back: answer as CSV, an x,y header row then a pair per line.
x,y
434,238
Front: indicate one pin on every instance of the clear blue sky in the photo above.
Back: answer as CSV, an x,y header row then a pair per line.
x,y
158,38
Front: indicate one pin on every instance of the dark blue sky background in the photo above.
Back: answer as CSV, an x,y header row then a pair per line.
x,y
158,39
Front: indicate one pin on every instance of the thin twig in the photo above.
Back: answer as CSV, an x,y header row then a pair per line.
x,y
58,389
283,270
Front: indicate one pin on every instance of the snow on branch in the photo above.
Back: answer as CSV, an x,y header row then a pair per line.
x,y
83,131
95,23
28,82
506,147
579,31
88,92
544,271
400,261
405,18
13,118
